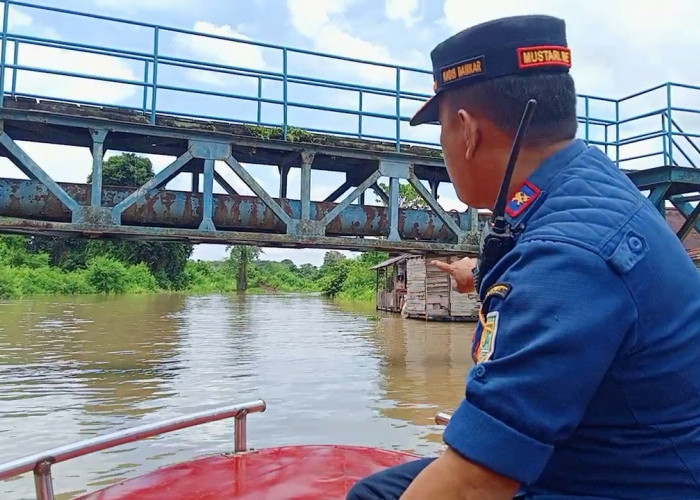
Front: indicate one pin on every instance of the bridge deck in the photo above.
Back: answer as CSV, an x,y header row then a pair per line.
x,y
41,205
68,123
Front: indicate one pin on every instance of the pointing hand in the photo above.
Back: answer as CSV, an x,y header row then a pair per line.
x,y
461,271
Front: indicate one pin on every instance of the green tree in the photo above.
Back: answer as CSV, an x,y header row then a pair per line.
x,y
408,196
126,169
240,258
166,260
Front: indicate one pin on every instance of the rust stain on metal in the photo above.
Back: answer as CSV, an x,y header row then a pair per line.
x,y
166,210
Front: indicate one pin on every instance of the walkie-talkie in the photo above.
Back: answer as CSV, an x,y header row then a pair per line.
x,y
498,239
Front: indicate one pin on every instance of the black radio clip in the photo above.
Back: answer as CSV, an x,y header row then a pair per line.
x,y
498,238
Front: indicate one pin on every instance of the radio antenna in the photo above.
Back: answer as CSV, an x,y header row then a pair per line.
x,y
499,222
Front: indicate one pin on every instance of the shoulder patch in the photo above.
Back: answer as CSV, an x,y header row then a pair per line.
x,y
522,199
498,290
488,337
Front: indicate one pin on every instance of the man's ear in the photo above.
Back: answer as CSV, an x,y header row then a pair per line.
x,y
469,131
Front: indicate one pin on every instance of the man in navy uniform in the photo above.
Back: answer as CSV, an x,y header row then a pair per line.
x,y
586,381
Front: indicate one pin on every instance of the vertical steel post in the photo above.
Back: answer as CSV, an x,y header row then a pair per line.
x,y
398,109
306,186
670,123
14,70
664,136
617,133
284,92
145,85
606,139
208,197
5,23
359,119
394,209
98,140
473,219
43,483
284,178
587,118
241,432
259,100
154,94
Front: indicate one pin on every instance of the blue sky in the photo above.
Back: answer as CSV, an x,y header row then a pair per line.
x,y
618,48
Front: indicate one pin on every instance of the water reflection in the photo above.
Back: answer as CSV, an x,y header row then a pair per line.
x,y
73,367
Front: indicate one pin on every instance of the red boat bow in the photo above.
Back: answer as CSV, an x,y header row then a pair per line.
x,y
290,472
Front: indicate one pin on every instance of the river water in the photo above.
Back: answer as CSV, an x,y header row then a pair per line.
x,y
72,368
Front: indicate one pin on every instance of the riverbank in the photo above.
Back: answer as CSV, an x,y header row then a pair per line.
x,y
28,268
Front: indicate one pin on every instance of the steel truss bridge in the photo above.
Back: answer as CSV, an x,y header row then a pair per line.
x,y
286,116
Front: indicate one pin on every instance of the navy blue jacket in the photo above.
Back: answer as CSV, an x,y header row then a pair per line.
x,y
587,374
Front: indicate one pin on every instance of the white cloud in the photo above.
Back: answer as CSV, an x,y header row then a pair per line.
x,y
636,45
219,51
323,22
403,10
18,19
144,5
63,87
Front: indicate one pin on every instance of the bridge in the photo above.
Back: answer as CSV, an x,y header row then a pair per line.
x,y
216,120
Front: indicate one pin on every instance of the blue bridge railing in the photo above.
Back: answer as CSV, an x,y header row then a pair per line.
x,y
206,74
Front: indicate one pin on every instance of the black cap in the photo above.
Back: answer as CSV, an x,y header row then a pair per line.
x,y
506,46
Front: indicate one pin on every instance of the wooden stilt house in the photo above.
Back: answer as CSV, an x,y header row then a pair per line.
x,y
409,284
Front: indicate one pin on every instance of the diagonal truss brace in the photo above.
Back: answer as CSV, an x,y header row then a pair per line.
x,y
258,190
427,195
160,178
691,214
658,197
30,168
372,179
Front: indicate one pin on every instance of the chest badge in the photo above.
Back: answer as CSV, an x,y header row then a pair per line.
x,y
522,199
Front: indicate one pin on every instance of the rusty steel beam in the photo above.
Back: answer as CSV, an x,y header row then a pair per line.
x,y
166,209
68,229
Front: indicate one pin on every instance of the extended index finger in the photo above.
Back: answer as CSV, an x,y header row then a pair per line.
x,y
443,266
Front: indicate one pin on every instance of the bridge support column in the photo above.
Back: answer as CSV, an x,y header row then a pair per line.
x,y
284,179
98,142
306,160
394,209
208,201
434,185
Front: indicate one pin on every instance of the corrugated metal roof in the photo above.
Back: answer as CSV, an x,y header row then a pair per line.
x,y
391,261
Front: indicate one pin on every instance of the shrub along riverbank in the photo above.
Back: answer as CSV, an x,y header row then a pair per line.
x,y
33,265
47,266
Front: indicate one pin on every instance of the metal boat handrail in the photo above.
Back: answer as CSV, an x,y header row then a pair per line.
x,y
442,418
41,462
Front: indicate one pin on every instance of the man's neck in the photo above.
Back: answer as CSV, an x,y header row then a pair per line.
x,y
530,160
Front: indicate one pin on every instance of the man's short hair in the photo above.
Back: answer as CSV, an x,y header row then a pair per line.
x,y
502,102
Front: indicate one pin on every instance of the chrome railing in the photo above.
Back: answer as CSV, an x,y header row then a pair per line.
x,y
41,462
442,418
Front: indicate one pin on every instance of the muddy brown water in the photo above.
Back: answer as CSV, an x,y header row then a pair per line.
x,y
74,367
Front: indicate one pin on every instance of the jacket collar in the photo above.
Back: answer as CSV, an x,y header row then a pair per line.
x,y
531,192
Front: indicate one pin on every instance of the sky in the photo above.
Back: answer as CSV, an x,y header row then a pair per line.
x,y
618,48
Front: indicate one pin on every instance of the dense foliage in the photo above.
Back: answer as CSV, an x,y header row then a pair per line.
x,y
28,269
48,265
